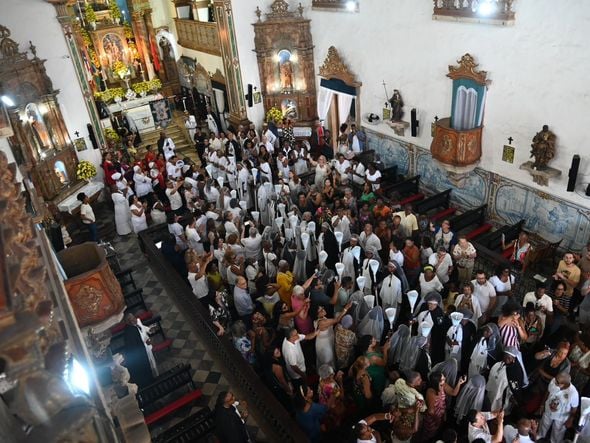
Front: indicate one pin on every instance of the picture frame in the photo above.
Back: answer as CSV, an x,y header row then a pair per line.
x,y
508,154
80,144
386,114
257,97
5,125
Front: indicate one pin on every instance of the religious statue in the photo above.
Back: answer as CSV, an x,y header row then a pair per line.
x,y
543,148
397,105
286,75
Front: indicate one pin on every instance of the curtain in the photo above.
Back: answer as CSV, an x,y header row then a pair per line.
x,y
220,100
324,101
344,102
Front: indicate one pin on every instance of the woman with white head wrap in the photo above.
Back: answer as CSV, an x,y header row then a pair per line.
x,y
471,396
399,343
372,324
449,368
484,353
122,212
454,337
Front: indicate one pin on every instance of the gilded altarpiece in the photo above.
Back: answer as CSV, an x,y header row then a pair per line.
x,y
284,49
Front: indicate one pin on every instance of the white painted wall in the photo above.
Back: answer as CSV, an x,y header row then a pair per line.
x,y
243,14
538,69
35,20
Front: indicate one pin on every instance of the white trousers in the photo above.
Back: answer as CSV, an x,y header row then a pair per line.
x,y
557,430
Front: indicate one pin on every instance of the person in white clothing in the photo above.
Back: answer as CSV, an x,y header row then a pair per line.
x,y
485,293
143,183
478,426
442,263
138,219
192,236
524,432
368,239
251,243
373,176
543,303
87,216
391,289
293,355
560,407
122,214
173,194
168,147
190,123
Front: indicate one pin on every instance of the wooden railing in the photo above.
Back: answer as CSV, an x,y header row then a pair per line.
x,y
269,414
200,36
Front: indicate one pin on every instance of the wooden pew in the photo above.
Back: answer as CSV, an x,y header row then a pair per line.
x,y
389,175
125,278
366,157
493,240
134,300
440,200
118,343
474,216
191,429
152,398
409,186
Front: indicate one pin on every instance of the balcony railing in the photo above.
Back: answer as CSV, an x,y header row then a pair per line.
x,y
200,36
496,12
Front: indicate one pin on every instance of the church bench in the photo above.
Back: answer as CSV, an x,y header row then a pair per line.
x,y
125,277
486,227
191,429
440,200
507,253
170,408
165,384
117,341
143,316
389,175
409,186
162,346
445,213
474,216
411,199
493,240
366,157
134,300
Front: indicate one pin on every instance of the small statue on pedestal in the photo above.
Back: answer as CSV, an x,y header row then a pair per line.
x,y
543,148
397,105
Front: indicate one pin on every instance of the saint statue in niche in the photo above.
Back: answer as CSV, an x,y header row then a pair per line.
x,y
397,105
543,148
285,70
40,131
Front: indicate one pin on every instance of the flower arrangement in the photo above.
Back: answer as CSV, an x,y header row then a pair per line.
x,y
90,14
85,170
120,69
154,84
115,11
111,135
109,94
128,31
86,37
141,87
274,115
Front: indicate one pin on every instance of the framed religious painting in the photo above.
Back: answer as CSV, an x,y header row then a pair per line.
x,y
257,97
5,126
80,144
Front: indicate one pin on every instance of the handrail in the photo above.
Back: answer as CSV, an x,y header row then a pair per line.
x,y
269,414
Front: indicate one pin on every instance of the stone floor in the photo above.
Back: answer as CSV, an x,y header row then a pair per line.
x,y
186,347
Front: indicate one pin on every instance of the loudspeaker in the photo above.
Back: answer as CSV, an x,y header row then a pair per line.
x,y
91,136
250,96
573,174
415,122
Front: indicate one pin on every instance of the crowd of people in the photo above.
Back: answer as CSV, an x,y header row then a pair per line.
x,y
366,320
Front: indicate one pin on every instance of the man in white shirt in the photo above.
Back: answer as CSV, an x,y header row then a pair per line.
x,y
341,223
173,195
270,136
358,170
524,430
478,426
342,166
485,293
293,355
442,263
87,217
368,239
560,407
251,243
543,303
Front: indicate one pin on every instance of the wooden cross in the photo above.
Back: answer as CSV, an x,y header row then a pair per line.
x,y
510,140
77,133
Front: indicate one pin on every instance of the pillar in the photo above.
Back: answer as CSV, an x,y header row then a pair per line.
x,y
231,62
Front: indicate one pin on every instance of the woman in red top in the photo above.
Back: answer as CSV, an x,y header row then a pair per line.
x,y
109,169
411,261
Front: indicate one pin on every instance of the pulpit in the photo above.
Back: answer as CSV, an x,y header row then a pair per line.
x,y
93,290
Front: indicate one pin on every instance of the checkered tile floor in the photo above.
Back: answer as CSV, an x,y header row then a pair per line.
x,y
208,376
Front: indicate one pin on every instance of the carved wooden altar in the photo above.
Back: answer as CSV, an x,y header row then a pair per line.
x,y
40,143
456,145
284,49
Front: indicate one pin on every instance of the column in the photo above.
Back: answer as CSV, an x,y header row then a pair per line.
x,y
142,40
231,62
67,25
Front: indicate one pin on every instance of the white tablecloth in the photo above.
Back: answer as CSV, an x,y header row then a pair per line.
x,y
71,203
142,116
